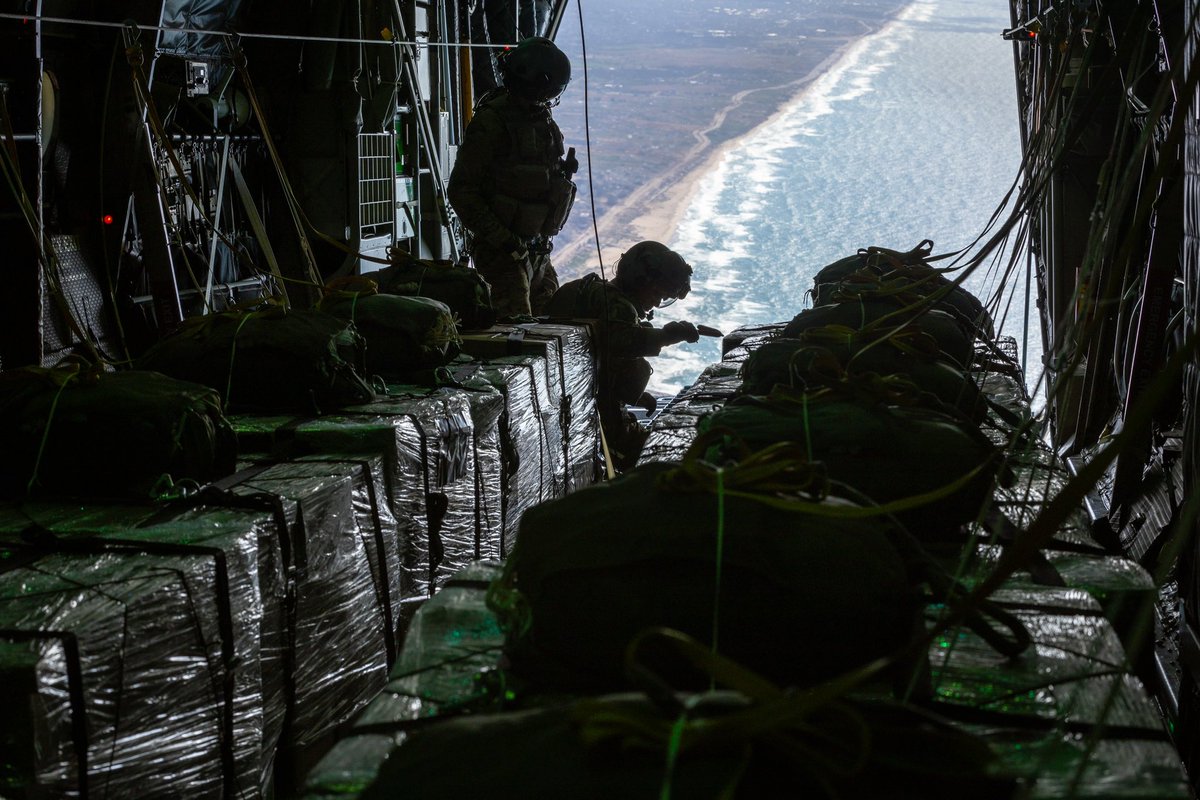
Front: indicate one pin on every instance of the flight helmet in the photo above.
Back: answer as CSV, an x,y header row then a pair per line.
x,y
535,69
653,263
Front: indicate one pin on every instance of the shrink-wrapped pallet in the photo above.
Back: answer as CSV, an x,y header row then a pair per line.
x,y
566,347
424,436
487,411
748,337
129,663
237,558
1067,714
375,522
339,651
673,430
1037,713
398,441
527,441
453,639
444,416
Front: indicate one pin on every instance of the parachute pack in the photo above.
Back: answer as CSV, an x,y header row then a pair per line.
x,y
460,288
72,432
268,360
403,334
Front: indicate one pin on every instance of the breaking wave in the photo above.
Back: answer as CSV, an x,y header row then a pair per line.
x,y
911,134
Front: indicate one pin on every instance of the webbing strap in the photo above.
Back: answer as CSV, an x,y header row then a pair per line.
x,y
75,699
256,224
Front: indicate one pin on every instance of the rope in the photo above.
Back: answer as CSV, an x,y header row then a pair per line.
x,y
87,23
233,356
37,462
717,562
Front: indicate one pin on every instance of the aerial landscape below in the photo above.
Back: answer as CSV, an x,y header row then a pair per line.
x,y
662,99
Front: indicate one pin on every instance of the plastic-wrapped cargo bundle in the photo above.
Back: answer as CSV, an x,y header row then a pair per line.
x,y
425,438
375,522
109,632
241,550
453,638
1073,557
748,337
339,640
1028,720
1066,713
487,409
566,347
528,466
398,440
577,406
444,416
674,429
545,407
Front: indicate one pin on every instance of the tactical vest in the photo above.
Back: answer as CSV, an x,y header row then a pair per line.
x,y
532,195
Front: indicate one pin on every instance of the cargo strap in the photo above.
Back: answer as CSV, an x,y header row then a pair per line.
x,y
256,224
75,698
45,541
974,715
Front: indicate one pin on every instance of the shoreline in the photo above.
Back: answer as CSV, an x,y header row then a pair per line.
x,y
655,209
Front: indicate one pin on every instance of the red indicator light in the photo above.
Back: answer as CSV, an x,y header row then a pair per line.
x,y
107,219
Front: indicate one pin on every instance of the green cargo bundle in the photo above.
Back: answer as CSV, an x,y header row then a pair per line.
x,y
910,286
801,596
877,258
884,318
121,435
460,288
727,746
882,272
817,359
403,334
271,360
937,471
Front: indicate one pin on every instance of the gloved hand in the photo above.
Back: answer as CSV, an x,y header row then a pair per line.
x,y
680,332
648,402
570,164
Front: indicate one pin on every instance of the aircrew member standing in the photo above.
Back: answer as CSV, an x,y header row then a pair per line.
x,y
511,185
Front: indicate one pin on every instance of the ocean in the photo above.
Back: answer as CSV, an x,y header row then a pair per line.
x,y
911,135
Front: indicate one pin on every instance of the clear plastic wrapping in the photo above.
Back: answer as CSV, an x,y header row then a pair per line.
x,y
1122,587
544,408
339,651
576,368
398,439
674,428
376,525
529,462
425,439
749,337
234,563
454,526
522,468
566,348
1072,673
453,639
487,411
108,632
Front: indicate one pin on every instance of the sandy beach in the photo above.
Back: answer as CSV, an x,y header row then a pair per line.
x,y
654,210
